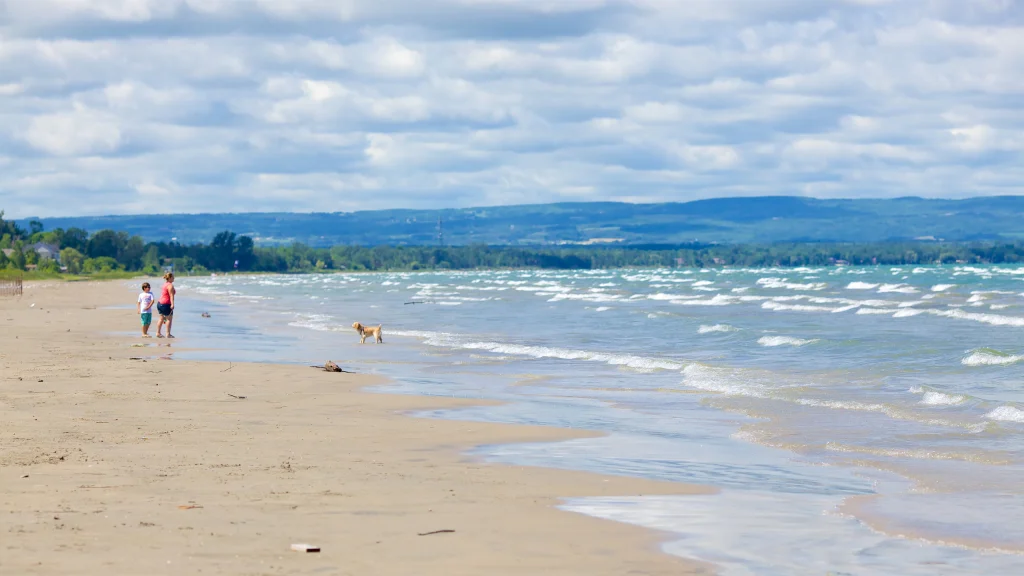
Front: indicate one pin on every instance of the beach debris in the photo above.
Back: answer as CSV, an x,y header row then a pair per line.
x,y
137,345
189,507
437,532
330,366
33,305
238,397
205,314
305,548
415,302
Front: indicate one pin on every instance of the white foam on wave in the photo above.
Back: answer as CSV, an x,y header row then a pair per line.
x,y
716,300
864,311
907,313
990,358
543,289
670,297
942,287
784,283
720,380
897,288
772,341
448,340
796,307
1006,414
591,297
888,410
861,286
933,398
992,319
705,329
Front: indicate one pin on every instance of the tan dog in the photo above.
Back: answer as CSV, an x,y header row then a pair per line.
x,y
365,331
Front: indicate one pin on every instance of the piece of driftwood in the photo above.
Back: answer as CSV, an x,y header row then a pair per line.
x,y
437,532
305,548
330,366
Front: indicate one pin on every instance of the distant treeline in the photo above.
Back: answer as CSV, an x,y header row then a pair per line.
x,y
110,251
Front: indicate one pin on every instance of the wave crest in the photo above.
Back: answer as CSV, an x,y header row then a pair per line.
x,y
989,357
772,341
1006,414
705,329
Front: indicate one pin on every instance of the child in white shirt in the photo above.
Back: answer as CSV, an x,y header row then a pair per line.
x,y
146,309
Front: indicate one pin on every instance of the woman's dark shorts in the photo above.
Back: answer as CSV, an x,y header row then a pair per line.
x,y
165,309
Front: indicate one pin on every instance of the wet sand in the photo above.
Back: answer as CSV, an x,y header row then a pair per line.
x,y
114,465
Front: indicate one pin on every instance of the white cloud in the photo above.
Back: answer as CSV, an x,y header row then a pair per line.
x,y
80,132
348,104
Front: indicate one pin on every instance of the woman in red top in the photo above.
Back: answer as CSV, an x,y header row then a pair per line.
x,y
165,306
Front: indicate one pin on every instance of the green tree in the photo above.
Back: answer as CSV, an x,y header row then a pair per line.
x,y
101,264
18,259
72,259
75,238
48,265
131,252
244,253
104,244
9,227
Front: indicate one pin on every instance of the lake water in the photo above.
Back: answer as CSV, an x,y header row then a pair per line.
x,y
857,420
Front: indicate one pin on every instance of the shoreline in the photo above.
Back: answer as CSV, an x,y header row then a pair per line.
x,y
29,276
114,464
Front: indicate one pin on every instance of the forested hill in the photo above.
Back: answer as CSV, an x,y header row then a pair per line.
x,y
722,220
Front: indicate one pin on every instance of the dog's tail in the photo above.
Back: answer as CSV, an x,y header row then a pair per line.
x,y
379,326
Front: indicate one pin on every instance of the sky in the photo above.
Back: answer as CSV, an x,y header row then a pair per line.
x,y
157,106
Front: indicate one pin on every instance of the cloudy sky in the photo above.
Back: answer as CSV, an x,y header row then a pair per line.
x,y
127,106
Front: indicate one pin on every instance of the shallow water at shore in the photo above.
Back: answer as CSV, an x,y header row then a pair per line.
x,y
796,391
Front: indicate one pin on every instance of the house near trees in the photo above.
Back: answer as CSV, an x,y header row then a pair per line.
x,y
46,251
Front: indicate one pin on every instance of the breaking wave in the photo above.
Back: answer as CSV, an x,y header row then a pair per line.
x,y
1006,414
705,329
990,357
447,340
783,283
772,341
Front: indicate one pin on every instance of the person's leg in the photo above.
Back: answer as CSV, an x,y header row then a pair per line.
x,y
160,326
170,320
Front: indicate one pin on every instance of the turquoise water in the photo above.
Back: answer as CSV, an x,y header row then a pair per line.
x,y
857,420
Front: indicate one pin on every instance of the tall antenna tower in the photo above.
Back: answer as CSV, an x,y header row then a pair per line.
x,y
440,232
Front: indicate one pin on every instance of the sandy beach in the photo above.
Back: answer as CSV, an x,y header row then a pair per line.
x,y
115,465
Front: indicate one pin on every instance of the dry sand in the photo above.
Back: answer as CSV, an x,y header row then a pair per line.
x,y
116,466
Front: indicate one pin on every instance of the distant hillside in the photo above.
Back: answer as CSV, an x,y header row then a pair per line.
x,y
722,220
